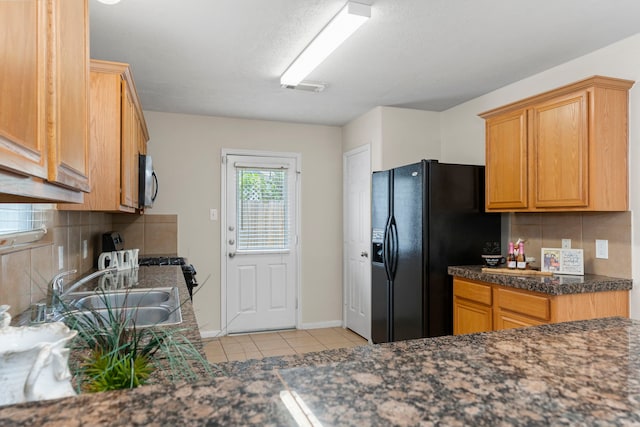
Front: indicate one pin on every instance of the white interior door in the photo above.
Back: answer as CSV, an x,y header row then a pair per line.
x,y
261,243
357,240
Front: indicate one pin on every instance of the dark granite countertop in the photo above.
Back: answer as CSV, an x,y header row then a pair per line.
x,y
577,373
551,285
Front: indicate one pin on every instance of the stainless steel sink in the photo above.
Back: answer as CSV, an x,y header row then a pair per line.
x,y
137,298
133,307
139,317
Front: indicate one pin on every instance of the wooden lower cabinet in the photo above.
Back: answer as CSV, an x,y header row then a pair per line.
x,y
472,311
469,317
482,307
509,320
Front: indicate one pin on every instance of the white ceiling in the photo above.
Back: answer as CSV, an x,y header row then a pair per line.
x,y
225,57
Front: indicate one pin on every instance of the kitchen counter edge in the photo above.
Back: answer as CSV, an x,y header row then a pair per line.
x,y
550,285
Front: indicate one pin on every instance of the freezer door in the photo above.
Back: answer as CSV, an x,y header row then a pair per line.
x,y
380,283
408,286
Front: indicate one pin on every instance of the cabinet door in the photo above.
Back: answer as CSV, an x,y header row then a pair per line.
x,y
471,307
560,152
507,320
470,317
506,159
23,87
69,109
127,146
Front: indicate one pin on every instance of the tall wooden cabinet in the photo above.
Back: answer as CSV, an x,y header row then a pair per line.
x,y
563,150
44,72
118,134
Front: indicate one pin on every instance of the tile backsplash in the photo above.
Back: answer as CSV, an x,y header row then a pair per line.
x,y
27,271
546,230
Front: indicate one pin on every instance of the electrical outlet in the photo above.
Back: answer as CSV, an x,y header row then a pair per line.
x,y
60,257
213,214
602,249
85,249
566,243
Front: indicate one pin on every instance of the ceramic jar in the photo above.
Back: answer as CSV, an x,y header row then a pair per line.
x,y
34,361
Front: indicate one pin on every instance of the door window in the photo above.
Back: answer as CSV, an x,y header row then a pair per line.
x,y
262,209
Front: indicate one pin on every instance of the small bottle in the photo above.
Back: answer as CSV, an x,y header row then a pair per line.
x,y
521,260
511,258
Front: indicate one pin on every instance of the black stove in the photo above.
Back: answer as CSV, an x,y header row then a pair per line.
x,y
188,270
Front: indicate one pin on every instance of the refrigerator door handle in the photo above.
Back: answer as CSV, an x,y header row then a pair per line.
x,y
394,248
386,250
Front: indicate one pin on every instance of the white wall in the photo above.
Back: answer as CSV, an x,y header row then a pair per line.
x,y
463,131
186,151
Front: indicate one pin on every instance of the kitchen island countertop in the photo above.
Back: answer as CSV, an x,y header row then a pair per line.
x,y
577,373
551,285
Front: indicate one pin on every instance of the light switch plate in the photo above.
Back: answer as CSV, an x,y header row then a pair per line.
x,y
566,243
602,249
213,214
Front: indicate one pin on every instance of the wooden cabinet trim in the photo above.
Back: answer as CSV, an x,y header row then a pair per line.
x,y
597,81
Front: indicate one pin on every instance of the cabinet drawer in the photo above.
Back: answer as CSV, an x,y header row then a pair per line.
x,y
523,303
472,291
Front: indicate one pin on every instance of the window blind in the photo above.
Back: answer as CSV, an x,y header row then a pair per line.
x,y
262,206
21,223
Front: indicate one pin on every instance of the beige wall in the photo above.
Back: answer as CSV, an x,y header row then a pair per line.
x,y
26,272
409,136
186,151
366,129
397,136
463,141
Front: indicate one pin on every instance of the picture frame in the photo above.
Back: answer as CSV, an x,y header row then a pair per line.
x,y
562,261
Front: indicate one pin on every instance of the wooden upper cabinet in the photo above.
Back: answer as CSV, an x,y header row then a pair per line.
x,y
559,164
23,87
563,150
118,134
44,104
506,155
69,148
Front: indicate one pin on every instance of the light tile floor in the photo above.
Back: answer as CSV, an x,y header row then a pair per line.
x,y
281,343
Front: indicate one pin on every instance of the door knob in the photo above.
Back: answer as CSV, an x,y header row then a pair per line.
x,y
232,254
364,254
231,241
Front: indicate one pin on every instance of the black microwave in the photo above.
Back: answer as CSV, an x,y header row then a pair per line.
x,y
148,182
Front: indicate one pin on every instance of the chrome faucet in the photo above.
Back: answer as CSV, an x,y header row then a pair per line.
x,y
56,288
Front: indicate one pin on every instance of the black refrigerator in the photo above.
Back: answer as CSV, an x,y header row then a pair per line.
x,y
425,217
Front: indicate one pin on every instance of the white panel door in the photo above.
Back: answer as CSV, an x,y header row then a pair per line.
x,y
261,243
357,241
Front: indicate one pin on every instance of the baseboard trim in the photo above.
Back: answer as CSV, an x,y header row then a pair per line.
x,y
318,325
315,325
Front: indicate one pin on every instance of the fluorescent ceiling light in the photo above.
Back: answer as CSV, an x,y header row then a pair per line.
x,y
345,23
109,1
